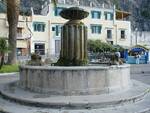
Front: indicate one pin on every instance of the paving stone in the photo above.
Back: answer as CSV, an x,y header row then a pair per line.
x,y
142,106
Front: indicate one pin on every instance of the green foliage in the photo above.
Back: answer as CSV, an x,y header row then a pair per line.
x,y
35,57
118,48
35,60
3,46
145,13
3,50
116,3
98,46
54,2
9,68
68,62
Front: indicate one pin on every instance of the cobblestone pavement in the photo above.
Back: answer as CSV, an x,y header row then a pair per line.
x,y
143,77
8,78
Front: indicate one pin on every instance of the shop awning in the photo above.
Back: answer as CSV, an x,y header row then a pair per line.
x,y
137,49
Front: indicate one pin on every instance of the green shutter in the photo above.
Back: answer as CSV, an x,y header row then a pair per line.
x,y
57,32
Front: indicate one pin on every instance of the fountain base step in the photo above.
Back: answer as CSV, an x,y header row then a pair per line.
x,y
136,93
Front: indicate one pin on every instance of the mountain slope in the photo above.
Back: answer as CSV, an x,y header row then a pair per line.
x,y
140,10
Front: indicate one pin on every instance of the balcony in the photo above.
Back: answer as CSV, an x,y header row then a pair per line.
x,y
20,24
23,36
19,34
122,15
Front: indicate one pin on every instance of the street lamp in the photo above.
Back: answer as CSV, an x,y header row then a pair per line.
x,y
136,37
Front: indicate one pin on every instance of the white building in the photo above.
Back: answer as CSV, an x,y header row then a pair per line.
x,y
102,24
44,31
23,33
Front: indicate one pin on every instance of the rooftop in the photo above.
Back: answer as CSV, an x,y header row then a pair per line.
x,y
86,3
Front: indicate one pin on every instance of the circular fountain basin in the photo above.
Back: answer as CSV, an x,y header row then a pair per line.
x,y
79,80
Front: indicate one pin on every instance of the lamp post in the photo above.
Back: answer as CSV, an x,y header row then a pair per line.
x,y
136,37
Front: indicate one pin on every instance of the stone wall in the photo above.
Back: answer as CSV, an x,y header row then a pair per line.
x,y
79,80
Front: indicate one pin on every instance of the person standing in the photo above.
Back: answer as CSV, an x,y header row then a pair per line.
x,y
137,58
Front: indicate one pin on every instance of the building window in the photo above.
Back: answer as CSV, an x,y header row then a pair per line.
x,y
39,26
39,48
109,34
108,15
58,10
122,34
96,29
57,46
19,32
58,30
53,28
96,14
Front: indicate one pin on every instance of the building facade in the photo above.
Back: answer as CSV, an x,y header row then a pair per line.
x,y
102,25
23,33
42,33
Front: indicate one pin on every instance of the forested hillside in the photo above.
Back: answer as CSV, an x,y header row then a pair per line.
x,y
139,9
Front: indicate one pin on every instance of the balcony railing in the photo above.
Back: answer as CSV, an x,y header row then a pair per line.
x,y
23,36
19,35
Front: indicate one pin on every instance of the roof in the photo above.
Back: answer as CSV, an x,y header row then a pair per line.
x,y
87,3
138,48
122,14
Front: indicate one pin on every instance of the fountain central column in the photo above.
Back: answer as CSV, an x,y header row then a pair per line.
x,y
74,38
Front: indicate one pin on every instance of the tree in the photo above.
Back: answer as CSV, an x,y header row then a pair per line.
x,y
98,46
3,50
13,7
116,2
12,16
54,2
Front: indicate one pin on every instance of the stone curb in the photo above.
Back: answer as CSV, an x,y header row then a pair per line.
x,y
9,74
144,111
70,105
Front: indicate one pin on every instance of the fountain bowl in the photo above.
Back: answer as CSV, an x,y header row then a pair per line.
x,y
74,13
75,80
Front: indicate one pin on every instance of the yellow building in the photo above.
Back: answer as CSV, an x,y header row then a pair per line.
x,y
23,33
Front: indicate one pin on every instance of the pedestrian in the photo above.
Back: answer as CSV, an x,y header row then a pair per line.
x,y
137,58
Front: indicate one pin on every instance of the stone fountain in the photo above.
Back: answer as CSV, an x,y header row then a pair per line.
x,y
72,75
74,38
71,83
